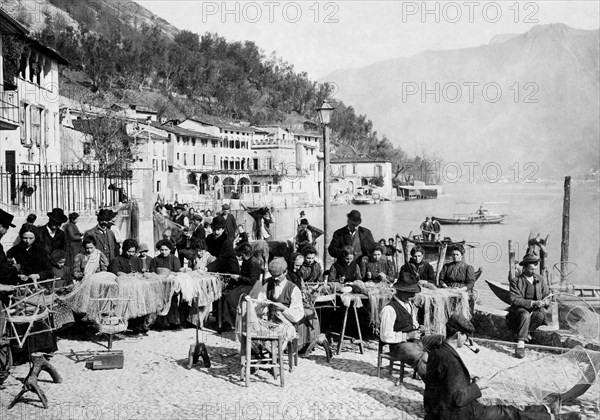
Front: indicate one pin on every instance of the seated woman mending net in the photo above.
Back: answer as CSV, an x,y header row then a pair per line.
x,y
459,274
237,286
29,258
378,268
345,269
91,261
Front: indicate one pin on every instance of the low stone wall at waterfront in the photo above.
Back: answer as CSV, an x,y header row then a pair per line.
x,y
492,324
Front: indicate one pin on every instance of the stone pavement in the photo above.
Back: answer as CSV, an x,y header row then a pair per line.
x,y
154,384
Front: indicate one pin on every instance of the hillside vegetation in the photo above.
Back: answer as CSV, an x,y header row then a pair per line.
x,y
122,50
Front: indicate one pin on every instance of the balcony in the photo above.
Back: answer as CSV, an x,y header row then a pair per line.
x,y
9,109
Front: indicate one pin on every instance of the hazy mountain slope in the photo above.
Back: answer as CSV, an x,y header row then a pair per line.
x,y
559,132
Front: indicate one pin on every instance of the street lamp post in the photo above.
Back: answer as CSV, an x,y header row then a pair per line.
x,y
325,112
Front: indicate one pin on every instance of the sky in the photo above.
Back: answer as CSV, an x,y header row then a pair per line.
x,y
321,37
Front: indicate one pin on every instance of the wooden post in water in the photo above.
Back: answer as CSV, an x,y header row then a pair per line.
x,y
564,244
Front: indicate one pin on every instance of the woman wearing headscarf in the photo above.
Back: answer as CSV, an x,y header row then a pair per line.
x,y
30,259
90,261
250,272
294,273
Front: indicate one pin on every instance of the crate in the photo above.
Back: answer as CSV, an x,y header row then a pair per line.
x,y
113,359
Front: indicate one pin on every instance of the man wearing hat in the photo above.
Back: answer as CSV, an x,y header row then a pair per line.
x,y
451,393
8,276
51,237
185,246
299,219
528,300
354,235
180,217
221,247
400,325
230,223
304,237
105,238
285,296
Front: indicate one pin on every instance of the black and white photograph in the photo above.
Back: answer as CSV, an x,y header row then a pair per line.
x,y
300,210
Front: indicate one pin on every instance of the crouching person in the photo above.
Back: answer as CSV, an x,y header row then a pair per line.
x,y
528,300
400,326
451,393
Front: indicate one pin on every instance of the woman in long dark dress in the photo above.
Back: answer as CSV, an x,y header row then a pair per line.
x,y
165,260
31,261
250,273
74,238
32,265
458,274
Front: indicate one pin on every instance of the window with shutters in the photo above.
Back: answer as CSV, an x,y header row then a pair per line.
x,y
23,120
36,125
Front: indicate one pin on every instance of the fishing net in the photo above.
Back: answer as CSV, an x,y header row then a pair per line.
x,y
248,320
137,295
439,305
162,223
578,315
569,375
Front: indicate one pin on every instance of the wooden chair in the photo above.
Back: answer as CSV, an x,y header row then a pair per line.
x,y
393,360
250,330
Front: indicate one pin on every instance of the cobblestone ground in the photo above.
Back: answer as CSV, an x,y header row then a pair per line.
x,y
154,384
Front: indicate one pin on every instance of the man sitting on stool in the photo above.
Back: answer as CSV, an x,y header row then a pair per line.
x,y
528,300
400,326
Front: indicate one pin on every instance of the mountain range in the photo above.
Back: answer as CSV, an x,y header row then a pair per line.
x,y
531,97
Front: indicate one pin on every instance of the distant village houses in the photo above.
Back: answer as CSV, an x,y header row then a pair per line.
x,y
50,147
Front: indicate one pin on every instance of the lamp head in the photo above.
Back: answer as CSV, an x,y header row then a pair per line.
x,y
325,111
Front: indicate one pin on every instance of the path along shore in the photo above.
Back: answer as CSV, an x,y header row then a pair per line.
x,y
155,384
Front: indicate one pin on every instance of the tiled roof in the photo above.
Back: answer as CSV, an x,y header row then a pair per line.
x,y
184,131
357,159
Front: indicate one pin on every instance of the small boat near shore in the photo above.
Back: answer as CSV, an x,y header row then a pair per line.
x,y
366,195
365,199
472,219
464,215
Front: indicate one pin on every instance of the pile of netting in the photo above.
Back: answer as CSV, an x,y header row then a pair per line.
x,y
378,294
576,314
249,321
569,375
439,305
136,295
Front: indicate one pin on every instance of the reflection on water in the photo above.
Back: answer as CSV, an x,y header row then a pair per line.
x,y
530,207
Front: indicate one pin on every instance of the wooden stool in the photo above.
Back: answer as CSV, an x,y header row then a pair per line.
x,y
39,363
292,349
343,336
381,355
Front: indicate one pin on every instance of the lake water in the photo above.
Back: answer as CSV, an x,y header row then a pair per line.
x,y
533,208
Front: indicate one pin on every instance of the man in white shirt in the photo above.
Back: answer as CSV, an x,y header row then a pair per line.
x,y
285,296
400,326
